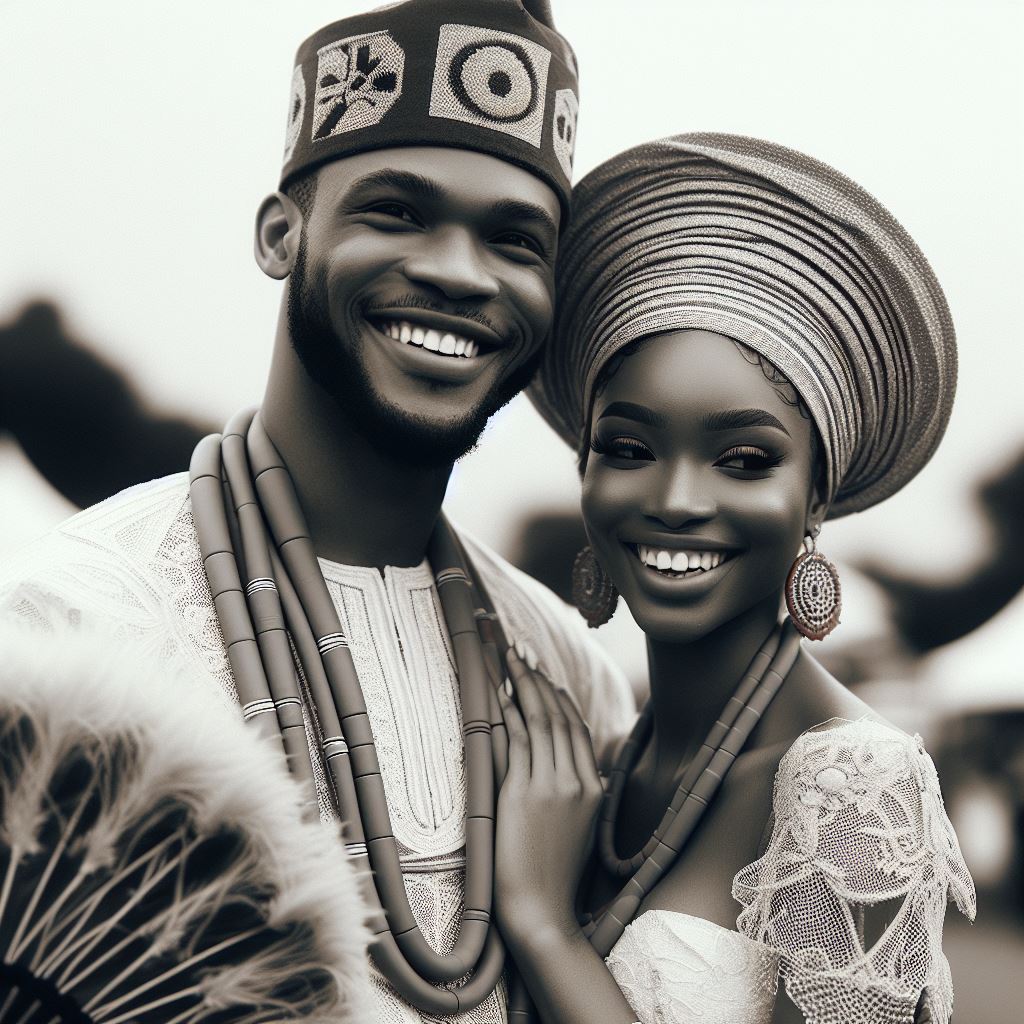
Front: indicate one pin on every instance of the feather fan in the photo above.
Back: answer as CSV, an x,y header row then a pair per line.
x,y
154,865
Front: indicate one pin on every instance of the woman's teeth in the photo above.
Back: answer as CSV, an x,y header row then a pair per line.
x,y
445,344
679,563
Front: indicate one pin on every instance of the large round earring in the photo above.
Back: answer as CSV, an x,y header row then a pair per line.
x,y
593,592
813,593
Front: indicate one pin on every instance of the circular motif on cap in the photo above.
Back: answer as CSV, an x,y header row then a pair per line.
x,y
495,80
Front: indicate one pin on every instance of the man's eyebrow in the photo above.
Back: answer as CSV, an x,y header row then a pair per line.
x,y
632,411
736,419
517,209
405,181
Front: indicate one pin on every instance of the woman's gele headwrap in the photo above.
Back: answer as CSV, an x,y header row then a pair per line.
x,y
782,253
483,75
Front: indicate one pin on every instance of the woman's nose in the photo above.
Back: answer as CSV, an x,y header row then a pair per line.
x,y
685,496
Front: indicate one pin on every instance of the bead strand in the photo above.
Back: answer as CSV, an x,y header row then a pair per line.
x,y
628,756
608,927
264,603
206,491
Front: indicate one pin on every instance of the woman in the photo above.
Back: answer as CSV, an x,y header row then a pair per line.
x,y
748,344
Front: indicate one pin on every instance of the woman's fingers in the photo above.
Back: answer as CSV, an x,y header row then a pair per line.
x,y
561,739
582,745
518,737
535,716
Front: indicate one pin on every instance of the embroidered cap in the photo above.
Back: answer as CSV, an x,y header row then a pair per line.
x,y
483,75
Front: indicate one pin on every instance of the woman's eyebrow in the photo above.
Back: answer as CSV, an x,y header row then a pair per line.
x,y
735,419
640,413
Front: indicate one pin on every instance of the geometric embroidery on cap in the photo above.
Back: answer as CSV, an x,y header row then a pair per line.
x,y
358,80
296,108
492,79
563,134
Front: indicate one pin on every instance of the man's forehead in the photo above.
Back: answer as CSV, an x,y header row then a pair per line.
x,y
441,173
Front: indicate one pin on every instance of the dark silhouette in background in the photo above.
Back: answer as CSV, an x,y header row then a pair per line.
x,y
77,417
929,614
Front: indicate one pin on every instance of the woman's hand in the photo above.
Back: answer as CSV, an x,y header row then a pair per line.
x,y
547,808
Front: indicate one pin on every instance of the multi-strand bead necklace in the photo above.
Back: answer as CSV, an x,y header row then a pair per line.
x,y
267,586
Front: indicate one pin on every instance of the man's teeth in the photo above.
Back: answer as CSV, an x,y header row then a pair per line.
x,y
445,344
679,561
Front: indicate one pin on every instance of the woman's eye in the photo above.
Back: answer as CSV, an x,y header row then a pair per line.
x,y
748,459
628,448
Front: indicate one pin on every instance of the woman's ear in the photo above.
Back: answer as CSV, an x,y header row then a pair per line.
x,y
817,510
278,230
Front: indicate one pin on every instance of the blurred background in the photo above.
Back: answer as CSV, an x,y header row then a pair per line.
x,y
138,140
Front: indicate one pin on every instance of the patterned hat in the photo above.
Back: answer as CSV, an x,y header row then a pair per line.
x,y
483,75
782,253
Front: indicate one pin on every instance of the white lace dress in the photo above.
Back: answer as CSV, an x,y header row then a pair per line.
x,y
130,568
858,820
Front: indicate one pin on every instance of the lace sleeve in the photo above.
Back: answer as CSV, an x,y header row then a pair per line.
x,y
859,820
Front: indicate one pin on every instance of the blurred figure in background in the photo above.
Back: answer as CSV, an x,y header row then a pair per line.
x,y
929,613
77,417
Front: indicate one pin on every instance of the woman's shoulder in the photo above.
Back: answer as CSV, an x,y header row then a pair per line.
x,y
858,823
810,696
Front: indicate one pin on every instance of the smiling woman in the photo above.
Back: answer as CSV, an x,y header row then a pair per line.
x,y
703,482
746,345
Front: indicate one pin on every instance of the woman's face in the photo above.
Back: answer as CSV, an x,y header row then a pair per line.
x,y
698,490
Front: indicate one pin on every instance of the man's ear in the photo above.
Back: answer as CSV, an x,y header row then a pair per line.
x,y
278,229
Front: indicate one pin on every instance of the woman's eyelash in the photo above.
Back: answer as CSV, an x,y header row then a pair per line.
x,y
758,456
621,447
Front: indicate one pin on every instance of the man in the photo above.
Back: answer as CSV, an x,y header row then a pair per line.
x,y
426,175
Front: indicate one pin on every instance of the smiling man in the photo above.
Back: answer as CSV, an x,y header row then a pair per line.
x,y
426,177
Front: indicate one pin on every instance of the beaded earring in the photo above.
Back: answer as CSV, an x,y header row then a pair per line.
x,y
593,592
813,593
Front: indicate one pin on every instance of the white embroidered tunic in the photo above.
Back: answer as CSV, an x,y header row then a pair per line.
x,y
858,821
131,568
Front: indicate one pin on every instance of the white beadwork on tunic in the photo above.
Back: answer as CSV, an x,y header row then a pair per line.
x,y
131,568
858,821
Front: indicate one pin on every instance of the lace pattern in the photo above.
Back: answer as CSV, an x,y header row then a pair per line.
x,y
674,967
859,821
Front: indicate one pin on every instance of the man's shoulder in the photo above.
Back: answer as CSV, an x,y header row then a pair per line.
x,y
110,550
529,611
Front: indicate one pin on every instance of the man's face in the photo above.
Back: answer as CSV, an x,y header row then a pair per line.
x,y
423,291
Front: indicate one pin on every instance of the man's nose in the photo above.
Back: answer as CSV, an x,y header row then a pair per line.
x,y
454,262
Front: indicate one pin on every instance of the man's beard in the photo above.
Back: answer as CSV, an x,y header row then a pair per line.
x,y
335,367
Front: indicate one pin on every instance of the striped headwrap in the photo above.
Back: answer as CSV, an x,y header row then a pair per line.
x,y
782,253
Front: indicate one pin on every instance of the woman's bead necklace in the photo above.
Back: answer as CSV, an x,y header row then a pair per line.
x,y
696,790
250,527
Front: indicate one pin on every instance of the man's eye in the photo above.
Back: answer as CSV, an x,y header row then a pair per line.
x,y
628,448
517,240
748,459
396,211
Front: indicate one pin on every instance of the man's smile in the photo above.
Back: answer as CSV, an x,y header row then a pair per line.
x,y
447,344
422,349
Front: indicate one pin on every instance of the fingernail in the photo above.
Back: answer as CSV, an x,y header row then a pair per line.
x,y
508,687
530,656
